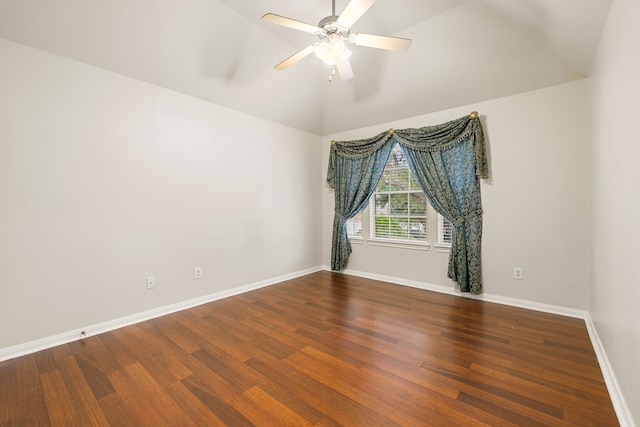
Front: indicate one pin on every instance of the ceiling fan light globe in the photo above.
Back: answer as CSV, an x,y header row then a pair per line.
x,y
336,44
321,50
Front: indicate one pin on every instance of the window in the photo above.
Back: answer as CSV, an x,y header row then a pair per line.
x,y
397,212
445,231
398,208
354,227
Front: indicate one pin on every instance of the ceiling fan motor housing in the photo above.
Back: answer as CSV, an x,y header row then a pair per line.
x,y
330,25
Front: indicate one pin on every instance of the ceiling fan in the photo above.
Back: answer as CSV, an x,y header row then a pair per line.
x,y
334,33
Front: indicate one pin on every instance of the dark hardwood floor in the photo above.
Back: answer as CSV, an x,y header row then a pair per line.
x,y
326,350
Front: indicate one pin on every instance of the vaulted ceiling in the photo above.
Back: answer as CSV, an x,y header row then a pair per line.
x,y
463,52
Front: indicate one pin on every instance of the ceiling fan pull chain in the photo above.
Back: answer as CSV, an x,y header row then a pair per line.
x,y
332,73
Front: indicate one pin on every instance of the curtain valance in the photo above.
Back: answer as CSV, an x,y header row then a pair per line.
x,y
430,138
447,161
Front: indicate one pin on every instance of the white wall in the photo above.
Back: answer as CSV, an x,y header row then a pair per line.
x,y
105,180
615,198
535,203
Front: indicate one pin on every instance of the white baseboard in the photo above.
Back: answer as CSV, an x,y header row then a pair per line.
x,y
453,290
619,404
77,334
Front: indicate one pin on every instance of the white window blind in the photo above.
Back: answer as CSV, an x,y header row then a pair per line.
x,y
398,208
354,226
445,231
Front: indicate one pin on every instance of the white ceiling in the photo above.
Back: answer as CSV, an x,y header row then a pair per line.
x,y
463,51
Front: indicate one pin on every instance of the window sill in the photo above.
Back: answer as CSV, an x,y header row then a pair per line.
x,y
443,248
399,244
356,240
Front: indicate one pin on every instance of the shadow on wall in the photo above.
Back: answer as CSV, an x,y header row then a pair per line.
x,y
487,147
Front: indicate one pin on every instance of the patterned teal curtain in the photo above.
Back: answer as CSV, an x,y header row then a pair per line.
x,y
354,174
447,161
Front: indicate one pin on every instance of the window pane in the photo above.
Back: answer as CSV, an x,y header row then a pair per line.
x,y
398,208
418,228
394,180
417,204
354,226
398,227
383,184
399,204
445,231
382,226
382,204
413,184
397,158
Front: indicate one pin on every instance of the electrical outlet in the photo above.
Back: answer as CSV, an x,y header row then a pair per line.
x,y
197,273
517,273
151,282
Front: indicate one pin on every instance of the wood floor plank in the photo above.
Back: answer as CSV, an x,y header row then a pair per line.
x,y
215,337
291,400
342,377
510,398
120,353
150,403
500,411
60,406
31,407
159,356
181,336
263,409
327,350
222,408
232,371
426,402
337,406
192,406
549,392
245,333
46,361
94,351
85,405
95,377
8,395
117,412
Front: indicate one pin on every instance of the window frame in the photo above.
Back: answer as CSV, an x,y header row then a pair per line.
x,y
376,240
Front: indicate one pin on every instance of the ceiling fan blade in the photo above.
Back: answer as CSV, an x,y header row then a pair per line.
x,y
380,42
294,58
291,23
354,11
344,69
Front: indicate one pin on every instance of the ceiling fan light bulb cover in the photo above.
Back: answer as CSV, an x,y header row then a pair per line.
x,y
321,50
326,54
336,44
